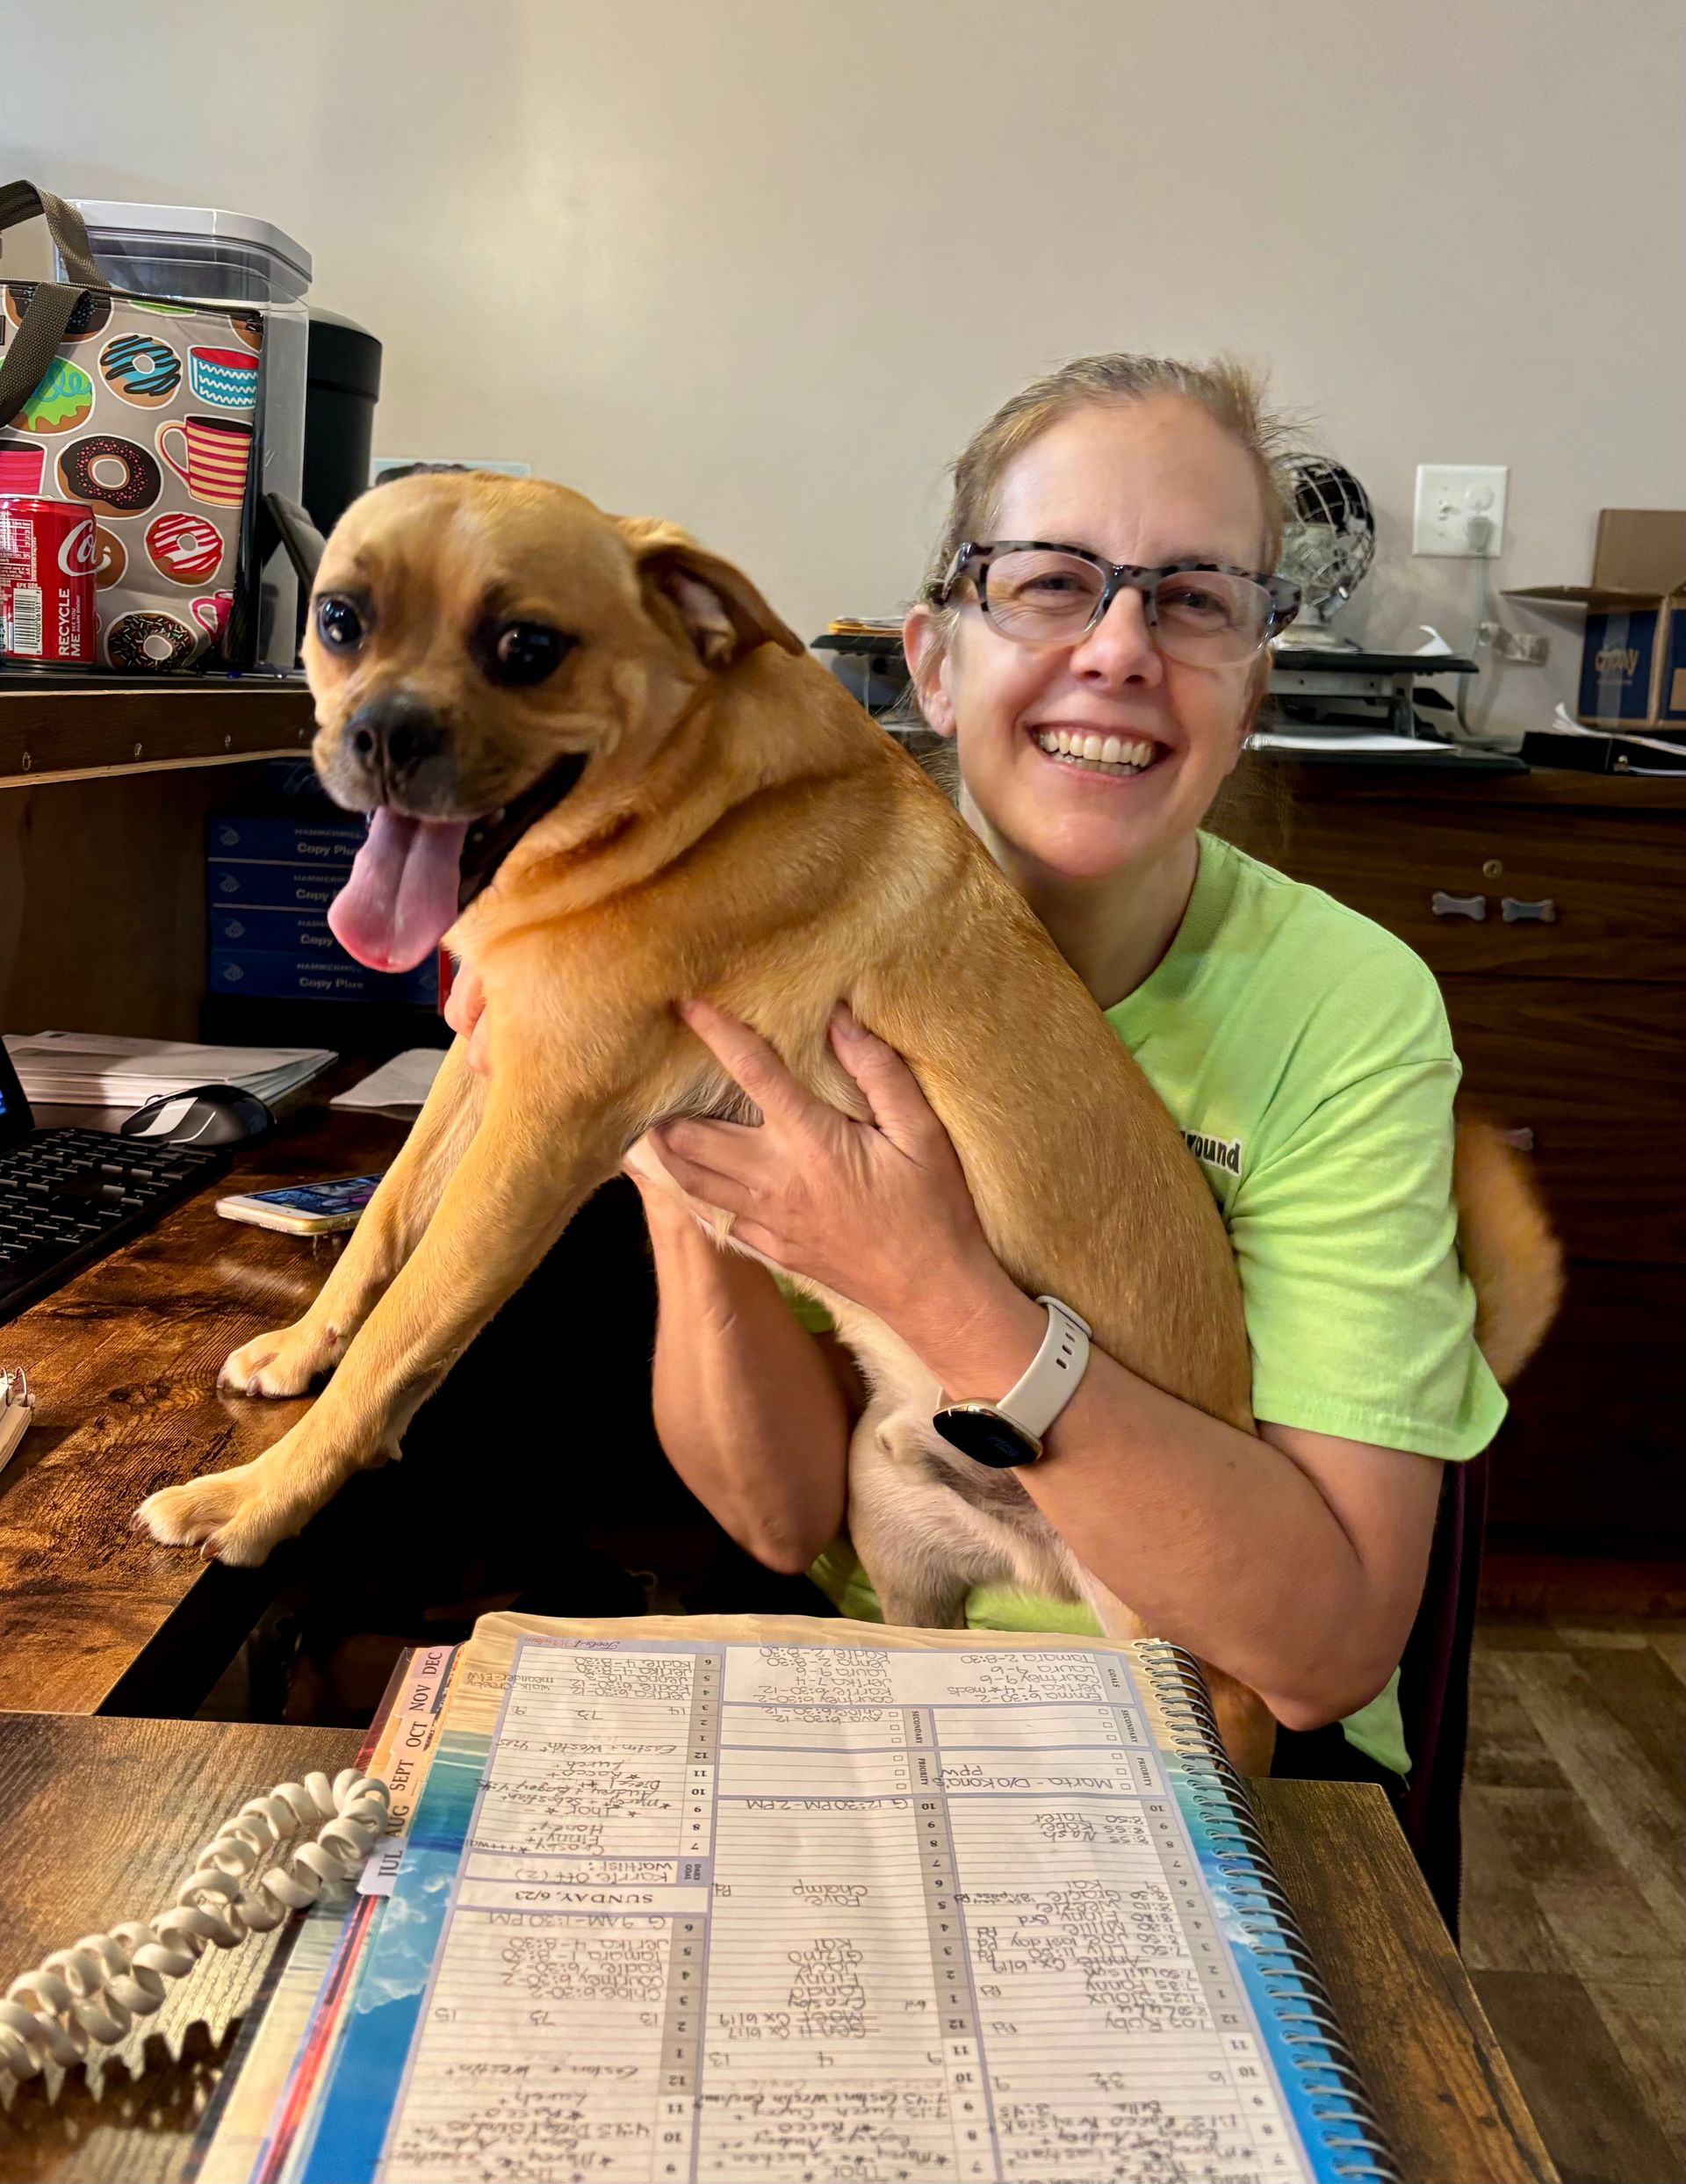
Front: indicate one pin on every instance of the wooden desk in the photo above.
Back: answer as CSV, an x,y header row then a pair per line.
x,y
95,1617
101,1819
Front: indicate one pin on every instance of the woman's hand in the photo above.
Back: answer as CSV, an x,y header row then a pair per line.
x,y
878,1211
464,1011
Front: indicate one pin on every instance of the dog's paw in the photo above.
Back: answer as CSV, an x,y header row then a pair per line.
x,y
230,1517
282,1364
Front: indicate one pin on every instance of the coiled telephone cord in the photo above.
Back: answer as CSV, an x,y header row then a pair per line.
x,y
90,1994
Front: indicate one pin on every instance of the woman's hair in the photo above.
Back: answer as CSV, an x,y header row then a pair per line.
x,y
1228,393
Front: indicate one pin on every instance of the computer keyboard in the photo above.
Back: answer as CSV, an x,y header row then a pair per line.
x,y
70,1196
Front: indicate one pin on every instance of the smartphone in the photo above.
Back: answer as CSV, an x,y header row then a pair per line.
x,y
304,1209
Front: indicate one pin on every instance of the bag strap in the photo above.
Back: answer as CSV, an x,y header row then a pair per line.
x,y
21,201
26,359
45,324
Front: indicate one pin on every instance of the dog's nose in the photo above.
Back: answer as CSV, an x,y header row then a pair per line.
x,y
392,736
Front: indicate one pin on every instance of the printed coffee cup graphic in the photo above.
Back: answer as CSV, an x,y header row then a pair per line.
x,y
225,378
218,452
21,467
211,612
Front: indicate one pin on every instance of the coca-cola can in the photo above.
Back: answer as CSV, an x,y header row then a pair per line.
x,y
47,559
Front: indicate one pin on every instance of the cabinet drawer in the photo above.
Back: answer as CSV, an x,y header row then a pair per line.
x,y
1593,1444
1598,1071
1616,882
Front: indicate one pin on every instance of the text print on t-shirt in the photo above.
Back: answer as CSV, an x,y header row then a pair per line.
x,y
1216,1152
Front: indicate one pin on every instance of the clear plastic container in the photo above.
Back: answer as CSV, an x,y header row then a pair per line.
x,y
197,254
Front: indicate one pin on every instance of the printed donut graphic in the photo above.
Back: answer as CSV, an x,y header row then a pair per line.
x,y
186,549
113,477
111,557
60,401
91,316
149,644
140,369
247,327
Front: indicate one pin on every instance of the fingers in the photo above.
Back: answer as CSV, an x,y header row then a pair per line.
x,y
751,1064
643,1163
710,1187
899,1108
465,1000
465,1011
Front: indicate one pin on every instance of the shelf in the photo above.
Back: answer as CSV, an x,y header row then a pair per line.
x,y
76,731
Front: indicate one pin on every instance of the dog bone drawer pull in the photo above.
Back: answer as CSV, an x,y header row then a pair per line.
x,y
1444,905
1513,911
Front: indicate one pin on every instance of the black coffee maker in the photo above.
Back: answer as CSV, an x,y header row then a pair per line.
x,y
342,386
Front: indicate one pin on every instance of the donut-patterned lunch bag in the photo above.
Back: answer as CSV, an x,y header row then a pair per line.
x,y
148,414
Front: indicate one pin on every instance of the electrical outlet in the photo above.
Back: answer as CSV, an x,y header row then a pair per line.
x,y
1447,495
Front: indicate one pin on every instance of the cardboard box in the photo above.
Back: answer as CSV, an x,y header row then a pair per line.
x,y
330,844
263,886
301,933
1633,656
284,977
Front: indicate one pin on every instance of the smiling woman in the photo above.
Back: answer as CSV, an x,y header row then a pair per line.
x,y
1091,641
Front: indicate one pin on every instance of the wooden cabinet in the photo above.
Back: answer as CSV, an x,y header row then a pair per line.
x,y
103,792
1572,1025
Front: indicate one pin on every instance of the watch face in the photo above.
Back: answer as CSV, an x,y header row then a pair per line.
x,y
985,1436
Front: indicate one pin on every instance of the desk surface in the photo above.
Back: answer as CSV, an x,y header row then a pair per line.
x,y
95,1617
101,1818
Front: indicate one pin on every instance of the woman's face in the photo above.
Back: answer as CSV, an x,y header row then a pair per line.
x,y
1144,482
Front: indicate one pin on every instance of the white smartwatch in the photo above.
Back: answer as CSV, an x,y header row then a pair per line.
x,y
1011,1432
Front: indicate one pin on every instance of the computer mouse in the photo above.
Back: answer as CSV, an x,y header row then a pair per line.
x,y
207,1115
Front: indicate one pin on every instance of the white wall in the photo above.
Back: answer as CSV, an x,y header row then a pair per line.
x,y
763,265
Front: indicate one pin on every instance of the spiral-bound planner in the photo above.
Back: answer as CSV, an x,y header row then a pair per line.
x,y
733,1899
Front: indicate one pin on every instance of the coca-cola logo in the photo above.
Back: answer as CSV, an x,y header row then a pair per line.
x,y
78,550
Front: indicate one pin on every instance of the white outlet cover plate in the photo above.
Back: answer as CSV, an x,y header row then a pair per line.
x,y
1447,495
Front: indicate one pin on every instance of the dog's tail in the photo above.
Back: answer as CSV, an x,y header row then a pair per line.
x,y
1507,1246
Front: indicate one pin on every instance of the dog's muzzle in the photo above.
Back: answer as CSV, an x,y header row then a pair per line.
x,y
395,749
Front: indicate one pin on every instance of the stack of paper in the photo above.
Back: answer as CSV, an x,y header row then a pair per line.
x,y
397,1087
84,1069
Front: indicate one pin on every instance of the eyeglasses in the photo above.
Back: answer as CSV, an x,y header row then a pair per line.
x,y
1203,613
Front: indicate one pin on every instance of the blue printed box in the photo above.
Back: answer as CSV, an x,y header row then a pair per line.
x,y
274,976
1633,656
300,932
1633,666
269,886
306,844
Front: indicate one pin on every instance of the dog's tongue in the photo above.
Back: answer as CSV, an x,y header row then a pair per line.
x,y
402,897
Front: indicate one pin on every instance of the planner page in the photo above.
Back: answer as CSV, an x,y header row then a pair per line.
x,y
730,1911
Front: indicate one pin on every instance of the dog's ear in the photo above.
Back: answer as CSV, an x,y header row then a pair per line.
x,y
723,613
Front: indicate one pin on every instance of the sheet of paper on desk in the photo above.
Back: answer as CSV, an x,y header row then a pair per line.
x,y
398,1086
85,1068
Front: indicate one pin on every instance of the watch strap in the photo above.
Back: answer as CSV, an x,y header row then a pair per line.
x,y
1050,1380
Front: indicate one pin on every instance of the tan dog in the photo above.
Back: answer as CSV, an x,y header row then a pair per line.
x,y
676,800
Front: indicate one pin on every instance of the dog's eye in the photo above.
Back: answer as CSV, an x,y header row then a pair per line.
x,y
522,652
339,624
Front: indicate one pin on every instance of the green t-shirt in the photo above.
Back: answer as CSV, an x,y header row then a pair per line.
x,y
1305,1054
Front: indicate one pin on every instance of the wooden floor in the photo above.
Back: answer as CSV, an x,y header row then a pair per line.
x,y
1574,1887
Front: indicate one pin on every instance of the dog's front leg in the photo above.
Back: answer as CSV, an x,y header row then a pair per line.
x,y
512,1192
286,1362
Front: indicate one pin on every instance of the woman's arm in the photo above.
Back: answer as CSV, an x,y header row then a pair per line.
x,y
752,1414
1292,1560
